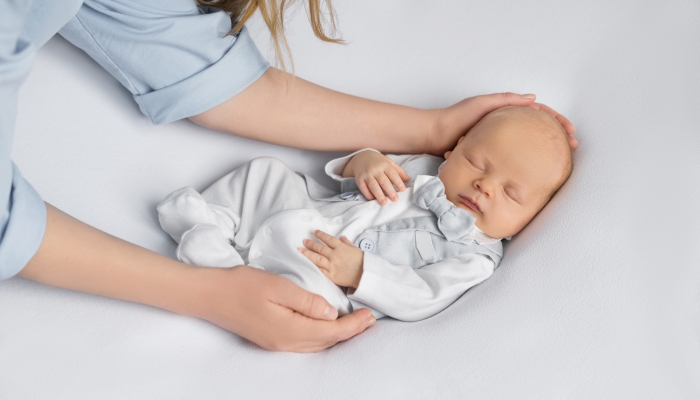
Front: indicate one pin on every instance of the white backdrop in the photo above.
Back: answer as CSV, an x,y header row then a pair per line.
x,y
599,297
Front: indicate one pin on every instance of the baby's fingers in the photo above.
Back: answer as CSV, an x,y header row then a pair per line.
x,y
404,176
320,261
396,179
347,241
376,190
385,182
331,241
318,248
362,185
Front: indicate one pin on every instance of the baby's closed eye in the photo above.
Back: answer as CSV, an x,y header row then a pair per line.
x,y
510,193
474,165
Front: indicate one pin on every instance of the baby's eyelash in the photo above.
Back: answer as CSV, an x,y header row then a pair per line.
x,y
510,196
473,165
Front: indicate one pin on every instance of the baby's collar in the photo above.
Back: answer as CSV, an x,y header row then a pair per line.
x,y
475,234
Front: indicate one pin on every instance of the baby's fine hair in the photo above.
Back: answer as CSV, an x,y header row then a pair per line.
x,y
549,130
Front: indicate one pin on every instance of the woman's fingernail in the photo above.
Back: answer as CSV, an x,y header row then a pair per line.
x,y
529,96
330,313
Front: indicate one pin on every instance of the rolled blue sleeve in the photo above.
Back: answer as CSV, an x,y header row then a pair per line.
x,y
23,224
22,212
174,57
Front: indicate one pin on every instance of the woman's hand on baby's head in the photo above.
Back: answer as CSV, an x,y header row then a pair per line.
x,y
455,121
376,175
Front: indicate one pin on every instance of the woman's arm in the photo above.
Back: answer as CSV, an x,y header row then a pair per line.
x,y
266,309
305,115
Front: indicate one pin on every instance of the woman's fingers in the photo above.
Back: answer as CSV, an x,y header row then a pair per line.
x,y
490,102
318,335
288,294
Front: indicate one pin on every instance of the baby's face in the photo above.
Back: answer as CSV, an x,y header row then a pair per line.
x,y
502,173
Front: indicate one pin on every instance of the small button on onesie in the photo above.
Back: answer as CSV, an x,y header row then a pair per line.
x,y
367,245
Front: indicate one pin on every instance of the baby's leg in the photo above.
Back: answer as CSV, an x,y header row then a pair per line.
x,y
204,232
256,191
229,212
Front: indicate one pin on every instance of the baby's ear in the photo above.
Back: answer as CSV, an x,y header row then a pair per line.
x,y
447,154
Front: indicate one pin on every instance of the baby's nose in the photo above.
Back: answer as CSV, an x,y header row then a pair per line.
x,y
485,186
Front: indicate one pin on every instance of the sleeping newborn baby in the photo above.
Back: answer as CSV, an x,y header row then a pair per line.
x,y
409,258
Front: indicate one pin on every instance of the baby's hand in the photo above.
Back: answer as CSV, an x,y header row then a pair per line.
x,y
374,174
339,260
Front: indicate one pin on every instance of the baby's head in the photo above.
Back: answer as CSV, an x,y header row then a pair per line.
x,y
506,168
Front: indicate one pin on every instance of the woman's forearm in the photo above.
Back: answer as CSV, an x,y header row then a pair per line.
x,y
74,255
305,115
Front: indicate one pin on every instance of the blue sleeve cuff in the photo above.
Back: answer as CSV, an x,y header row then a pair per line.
x,y
175,58
22,226
236,70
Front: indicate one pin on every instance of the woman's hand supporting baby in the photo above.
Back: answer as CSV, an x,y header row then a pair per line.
x,y
338,259
376,175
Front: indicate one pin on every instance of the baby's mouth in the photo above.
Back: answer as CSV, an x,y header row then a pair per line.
x,y
470,203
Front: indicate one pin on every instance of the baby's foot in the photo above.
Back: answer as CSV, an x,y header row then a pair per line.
x,y
205,246
181,210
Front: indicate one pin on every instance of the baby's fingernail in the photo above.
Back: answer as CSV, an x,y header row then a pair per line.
x,y
529,96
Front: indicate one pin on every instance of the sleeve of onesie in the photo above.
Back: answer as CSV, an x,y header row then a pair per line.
x,y
173,56
334,168
411,294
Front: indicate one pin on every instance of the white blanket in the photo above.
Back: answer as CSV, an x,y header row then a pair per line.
x,y
597,298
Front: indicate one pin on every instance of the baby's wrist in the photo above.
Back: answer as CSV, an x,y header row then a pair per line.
x,y
347,170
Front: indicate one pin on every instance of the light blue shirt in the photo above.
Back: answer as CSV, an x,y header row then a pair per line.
x,y
171,55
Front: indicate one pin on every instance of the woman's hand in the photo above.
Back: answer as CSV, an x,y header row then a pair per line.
x,y
455,121
272,312
376,175
338,259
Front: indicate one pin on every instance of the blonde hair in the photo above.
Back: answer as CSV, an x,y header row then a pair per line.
x,y
272,12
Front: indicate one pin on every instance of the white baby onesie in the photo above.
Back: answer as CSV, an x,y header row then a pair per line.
x,y
260,214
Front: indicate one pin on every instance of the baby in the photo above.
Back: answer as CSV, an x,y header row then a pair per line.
x,y
408,259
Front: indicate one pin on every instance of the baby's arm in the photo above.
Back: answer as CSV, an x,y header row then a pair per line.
x,y
409,294
399,291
